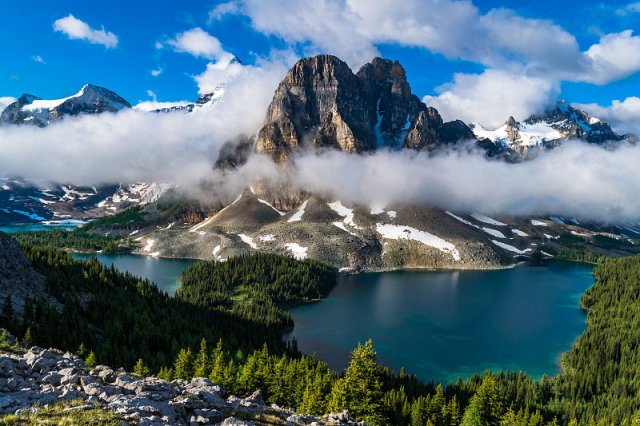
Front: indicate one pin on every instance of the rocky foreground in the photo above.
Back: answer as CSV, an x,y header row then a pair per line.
x,y
43,377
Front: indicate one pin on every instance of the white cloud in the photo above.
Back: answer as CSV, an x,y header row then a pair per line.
x,y
575,180
491,97
199,43
624,116
615,57
38,58
136,146
156,72
74,28
6,101
222,10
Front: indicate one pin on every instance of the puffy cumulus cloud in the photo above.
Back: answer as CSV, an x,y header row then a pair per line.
x,y
624,116
492,96
6,101
74,28
197,42
576,179
38,59
615,57
156,72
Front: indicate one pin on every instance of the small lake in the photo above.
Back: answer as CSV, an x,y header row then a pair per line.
x,y
441,325
164,272
438,325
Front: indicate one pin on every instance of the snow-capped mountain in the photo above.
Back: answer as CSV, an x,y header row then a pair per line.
x,y
548,130
30,109
203,103
22,201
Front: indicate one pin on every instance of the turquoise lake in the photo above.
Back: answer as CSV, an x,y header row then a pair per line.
x,y
438,325
441,325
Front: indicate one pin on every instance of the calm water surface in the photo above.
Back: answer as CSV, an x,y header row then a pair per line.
x,y
164,272
441,325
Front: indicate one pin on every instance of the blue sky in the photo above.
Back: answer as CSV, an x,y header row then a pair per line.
x,y
39,60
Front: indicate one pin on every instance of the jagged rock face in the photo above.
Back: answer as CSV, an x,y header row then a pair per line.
x,y
18,279
318,104
518,141
29,109
322,104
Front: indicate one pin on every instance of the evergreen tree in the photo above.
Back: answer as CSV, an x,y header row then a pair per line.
x,y
217,375
183,367
141,369
27,339
202,364
91,361
364,388
338,397
484,408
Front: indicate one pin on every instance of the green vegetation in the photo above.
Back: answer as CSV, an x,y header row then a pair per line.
x,y
65,413
123,220
122,318
116,319
79,240
257,286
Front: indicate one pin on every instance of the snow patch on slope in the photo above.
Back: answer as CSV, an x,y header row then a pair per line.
x,y
400,232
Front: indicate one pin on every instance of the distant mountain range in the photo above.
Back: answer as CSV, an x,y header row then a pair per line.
x,y
320,105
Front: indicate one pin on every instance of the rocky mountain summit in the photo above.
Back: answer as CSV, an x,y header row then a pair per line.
x,y
522,140
30,109
203,103
322,104
43,377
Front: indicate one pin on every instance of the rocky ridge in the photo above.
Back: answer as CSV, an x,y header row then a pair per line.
x,y
523,140
18,279
322,104
30,109
41,377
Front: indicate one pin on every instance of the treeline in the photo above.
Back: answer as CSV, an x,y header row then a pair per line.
x,y
258,286
78,239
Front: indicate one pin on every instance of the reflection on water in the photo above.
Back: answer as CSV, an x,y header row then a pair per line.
x,y
440,325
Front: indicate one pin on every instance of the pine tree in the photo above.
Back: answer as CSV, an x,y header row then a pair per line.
x,y
364,388
27,339
91,360
202,364
218,368
338,397
183,367
141,369
82,350
4,338
484,408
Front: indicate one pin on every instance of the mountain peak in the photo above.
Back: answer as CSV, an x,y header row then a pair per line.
x,y
322,104
29,109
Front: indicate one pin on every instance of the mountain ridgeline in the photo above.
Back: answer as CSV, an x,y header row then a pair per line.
x,y
322,104
30,109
